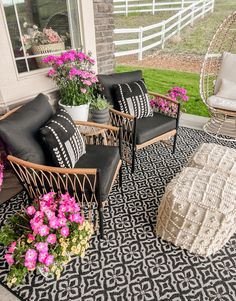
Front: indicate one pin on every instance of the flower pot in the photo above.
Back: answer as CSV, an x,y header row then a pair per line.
x,y
77,112
46,49
100,116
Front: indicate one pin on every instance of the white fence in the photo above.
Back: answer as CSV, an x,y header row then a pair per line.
x,y
148,6
156,35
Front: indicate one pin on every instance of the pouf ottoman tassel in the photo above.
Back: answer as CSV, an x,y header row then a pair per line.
x,y
198,211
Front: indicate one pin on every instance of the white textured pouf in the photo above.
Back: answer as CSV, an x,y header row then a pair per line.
x,y
198,211
215,156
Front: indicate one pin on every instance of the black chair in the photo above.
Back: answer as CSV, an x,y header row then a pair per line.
x,y
92,178
138,133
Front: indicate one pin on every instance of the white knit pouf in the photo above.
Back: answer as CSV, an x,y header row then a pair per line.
x,y
217,157
198,211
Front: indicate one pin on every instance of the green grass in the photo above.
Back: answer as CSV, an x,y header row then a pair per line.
x,y
162,80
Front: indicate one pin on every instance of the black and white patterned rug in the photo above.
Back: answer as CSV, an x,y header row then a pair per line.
x,y
132,263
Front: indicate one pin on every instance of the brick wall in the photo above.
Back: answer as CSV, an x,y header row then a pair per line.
x,y
104,25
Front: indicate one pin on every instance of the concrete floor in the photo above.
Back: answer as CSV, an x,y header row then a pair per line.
x,y
12,186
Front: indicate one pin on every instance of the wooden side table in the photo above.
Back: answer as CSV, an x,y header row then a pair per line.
x,y
90,132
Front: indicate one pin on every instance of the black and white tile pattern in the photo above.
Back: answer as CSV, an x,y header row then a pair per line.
x,y
132,264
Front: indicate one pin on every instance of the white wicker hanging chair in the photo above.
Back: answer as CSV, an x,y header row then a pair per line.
x,y
222,123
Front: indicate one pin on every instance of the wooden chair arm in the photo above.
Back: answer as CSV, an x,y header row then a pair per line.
x,y
97,125
51,169
163,96
124,115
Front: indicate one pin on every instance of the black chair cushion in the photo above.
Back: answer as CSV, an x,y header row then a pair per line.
x,y
108,80
151,127
63,140
106,158
133,99
20,131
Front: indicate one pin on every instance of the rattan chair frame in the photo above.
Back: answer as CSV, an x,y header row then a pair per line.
x,y
222,123
82,183
128,124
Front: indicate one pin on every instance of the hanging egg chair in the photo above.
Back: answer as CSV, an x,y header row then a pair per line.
x,y
218,81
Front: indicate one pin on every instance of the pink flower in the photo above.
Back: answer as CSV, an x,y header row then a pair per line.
x,y
83,90
87,82
43,230
30,265
9,258
42,257
30,210
12,247
49,260
65,231
42,246
77,218
59,62
62,221
52,238
51,72
31,237
50,214
53,223
31,255
73,71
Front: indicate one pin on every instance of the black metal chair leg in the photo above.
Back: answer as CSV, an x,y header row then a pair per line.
x,y
174,143
133,160
101,228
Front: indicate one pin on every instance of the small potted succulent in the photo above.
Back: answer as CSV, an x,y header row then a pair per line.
x,y
100,110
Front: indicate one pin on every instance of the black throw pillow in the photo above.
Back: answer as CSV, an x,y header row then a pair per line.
x,y
133,99
108,80
63,140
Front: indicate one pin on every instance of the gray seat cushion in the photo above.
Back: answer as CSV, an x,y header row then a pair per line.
x,y
20,131
150,127
105,158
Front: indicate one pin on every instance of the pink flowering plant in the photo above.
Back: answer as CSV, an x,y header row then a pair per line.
x,y
162,105
1,175
44,236
73,74
35,37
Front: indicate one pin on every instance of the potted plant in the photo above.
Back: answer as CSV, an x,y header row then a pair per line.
x,y
42,42
73,74
100,110
44,236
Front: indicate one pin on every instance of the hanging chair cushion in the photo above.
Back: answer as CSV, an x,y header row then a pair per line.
x,y
222,103
227,89
227,70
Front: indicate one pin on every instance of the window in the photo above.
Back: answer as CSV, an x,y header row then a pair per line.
x,y
37,27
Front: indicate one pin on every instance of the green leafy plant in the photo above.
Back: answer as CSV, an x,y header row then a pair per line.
x,y
100,103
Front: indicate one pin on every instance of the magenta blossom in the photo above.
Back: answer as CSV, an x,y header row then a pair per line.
x,y
51,72
52,238
31,255
30,210
77,218
31,237
42,246
30,265
49,260
9,258
12,247
42,257
43,230
53,223
83,90
65,231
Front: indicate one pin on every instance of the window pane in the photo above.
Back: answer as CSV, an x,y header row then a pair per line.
x,y
39,27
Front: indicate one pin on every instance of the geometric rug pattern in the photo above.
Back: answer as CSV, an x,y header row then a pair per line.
x,y
132,263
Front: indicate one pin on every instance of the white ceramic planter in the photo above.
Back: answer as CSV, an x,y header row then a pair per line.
x,y
77,112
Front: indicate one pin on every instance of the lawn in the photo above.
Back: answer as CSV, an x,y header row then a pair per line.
x,y
162,80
